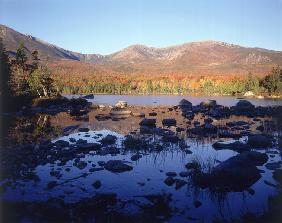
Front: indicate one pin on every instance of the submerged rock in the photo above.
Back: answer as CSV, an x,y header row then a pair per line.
x,y
117,166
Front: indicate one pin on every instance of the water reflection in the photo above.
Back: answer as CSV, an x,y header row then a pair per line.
x,y
67,171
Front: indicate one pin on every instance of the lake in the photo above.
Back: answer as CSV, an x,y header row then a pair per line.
x,y
70,177
171,100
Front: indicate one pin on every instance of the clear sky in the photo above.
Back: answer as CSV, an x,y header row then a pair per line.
x,y
106,26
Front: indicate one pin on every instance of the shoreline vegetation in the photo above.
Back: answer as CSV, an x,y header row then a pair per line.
x,y
25,79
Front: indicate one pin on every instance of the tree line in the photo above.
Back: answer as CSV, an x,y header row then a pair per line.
x,y
23,79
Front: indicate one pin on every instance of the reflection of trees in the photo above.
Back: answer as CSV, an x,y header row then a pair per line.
x,y
29,129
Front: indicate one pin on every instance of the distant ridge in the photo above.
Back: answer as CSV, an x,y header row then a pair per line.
x,y
187,57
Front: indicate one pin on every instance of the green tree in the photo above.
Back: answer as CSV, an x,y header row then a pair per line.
x,y
272,82
5,76
252,83
40,82
19,82
35,60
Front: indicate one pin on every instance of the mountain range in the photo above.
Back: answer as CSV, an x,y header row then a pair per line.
x,y
205,57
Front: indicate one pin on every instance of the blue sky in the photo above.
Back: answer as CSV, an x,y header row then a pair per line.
x,y
106,26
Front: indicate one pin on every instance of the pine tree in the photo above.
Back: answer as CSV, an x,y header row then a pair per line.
x,y
19,79
5,76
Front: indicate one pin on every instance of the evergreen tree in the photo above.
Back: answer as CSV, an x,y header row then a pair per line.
x,y
35,60
19,81
5,76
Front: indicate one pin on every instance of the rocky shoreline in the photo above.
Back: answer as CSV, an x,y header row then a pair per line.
x,y
242,128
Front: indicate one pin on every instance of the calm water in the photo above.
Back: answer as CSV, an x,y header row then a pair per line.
x,y
171,100
149,172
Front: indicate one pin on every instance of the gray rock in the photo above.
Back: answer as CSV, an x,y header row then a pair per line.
x,y
208,104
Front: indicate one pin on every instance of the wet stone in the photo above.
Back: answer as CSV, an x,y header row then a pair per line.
x,y
171,174
117,166
101,163
83,129
80,165
273,166
109,139
169,122
135,157
97,184
169,181
179,183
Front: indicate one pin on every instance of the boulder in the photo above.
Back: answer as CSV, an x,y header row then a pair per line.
x,y
169,122
88,96
185,104
121,104
244,106
235,174
208,103
117,166
148,122
249,94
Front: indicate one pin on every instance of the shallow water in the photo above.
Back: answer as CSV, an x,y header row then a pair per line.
x,y
148,174
170,100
